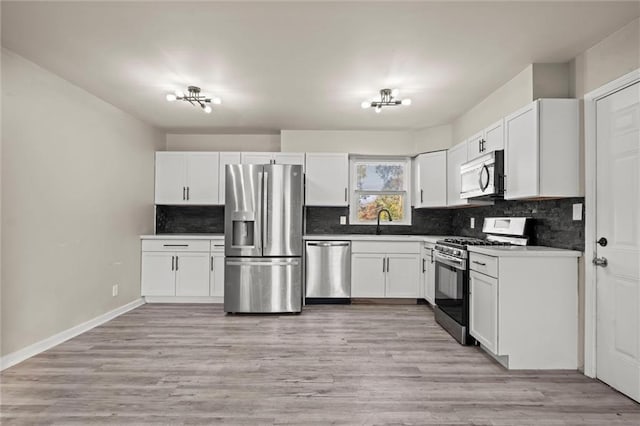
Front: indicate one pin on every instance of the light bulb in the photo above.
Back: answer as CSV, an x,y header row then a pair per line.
x,y
216,101
171,97
207,109
179,93
406,102
378,109
365,104
395,92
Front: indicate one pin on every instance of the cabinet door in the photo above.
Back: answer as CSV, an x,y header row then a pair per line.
x,y
475,146
403,275
216,284
171,177
483,310
202,177
430,279
521,153
256,157
456,156
192,274
158,277
225,158
432,172
294,158
367,275
327,179
493,137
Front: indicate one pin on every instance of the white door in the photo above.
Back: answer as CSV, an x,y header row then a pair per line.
x,y
170,178
192,274
456,156
521,150
475,145
618,220
256,157
403,275
216,285
433,179
293,158
483,310
327,179
158,276
493,137
202,178
367,275
225,158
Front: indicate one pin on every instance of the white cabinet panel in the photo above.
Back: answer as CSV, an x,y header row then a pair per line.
x,y
225,158
216,285
256,157
431,179
494,137
293,158
474,146
192,274
403,275
327,179
521,149
428,276
202,178
483,310
367,275
158,276
171,177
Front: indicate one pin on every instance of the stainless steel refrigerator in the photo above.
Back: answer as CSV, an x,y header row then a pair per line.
x,y
263,238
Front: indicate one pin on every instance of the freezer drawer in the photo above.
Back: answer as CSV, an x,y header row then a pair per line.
x,y
262,285
328,269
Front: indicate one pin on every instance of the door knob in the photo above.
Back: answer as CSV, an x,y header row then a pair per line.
x,y
603,242
600,261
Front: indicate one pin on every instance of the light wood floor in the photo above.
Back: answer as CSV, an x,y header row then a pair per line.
x,y
191,364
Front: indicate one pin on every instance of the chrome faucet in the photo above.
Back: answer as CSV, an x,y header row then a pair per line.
x,y
378,230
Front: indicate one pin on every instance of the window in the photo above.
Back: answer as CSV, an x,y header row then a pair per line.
x,y
378,183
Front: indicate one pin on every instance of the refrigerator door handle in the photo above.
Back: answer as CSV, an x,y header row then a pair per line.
x,y
265,207
264,263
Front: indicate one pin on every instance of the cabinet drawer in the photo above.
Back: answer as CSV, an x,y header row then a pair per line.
x,y
176,245
385,247
484,264
217,245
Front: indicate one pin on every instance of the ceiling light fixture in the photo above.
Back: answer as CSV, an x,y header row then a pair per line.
x,y
387,98
194,97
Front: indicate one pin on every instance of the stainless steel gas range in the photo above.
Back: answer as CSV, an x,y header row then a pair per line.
x,y
452,272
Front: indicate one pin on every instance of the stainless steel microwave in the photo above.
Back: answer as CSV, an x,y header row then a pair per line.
x,y
483,177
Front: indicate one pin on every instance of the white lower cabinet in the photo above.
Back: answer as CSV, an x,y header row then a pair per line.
x,y
483,309
390,270
182,269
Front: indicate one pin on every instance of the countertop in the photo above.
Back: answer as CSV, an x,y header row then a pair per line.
x,y
524,251
369,237
182,237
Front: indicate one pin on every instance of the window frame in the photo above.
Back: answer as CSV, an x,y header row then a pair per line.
x,y
354,193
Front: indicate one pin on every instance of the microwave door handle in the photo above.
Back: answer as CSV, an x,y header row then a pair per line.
x,y
483,186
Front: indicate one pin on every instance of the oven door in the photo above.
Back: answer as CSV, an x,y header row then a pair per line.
x,y
452,287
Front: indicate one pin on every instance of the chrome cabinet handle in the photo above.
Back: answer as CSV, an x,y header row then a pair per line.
x,y
184,193
187,193
212,263
345,194
175,245
172,263
479,263
424,266
177,260
421,196
383,264
388,268
600,261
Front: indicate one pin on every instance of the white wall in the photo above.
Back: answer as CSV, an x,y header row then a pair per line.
x,y
180,142
77,190
351,141
433,138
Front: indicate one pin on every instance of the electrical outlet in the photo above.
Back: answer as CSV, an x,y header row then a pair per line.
x,y
577,211
114,290
343,220
473,223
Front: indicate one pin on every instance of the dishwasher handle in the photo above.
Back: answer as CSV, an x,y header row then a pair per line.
x,y
346,244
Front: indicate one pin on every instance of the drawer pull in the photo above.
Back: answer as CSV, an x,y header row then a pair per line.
x,y
176,245
479,263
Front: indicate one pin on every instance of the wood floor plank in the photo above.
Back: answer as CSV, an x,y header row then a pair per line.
x,y
344,365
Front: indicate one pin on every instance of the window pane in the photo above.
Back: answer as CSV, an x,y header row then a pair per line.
x,y
370,205
380,177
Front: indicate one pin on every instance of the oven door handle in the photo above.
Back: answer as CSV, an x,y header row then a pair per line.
x,y
450,260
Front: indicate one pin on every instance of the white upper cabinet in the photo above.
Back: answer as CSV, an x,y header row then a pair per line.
x,y
542,150
186,178
327,179
225,158
490,139
430,177
295,158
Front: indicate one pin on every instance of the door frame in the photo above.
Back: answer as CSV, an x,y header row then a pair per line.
x,y
590,279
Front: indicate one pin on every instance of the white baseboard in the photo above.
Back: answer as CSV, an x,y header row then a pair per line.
x,y
183,299
18,356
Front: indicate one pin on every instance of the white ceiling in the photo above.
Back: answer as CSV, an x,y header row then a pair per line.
x,y
301,65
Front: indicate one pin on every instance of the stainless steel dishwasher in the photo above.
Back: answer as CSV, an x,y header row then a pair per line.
x,y
328,271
